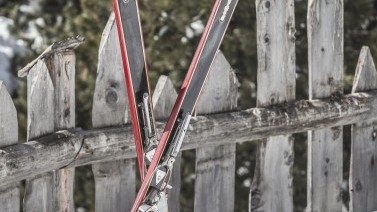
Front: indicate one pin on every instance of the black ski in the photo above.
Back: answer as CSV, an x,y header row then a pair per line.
x,y
136,73
156,181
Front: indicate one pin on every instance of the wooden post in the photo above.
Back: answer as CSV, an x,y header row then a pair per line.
x,y
215,166
62,69
39,195
10,194
51,107
363,170
164,97
271,189
325,147
115,181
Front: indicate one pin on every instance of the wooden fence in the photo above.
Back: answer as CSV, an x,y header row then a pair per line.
x,y
55,146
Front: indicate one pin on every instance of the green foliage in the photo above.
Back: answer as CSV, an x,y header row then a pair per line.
x,y
169,51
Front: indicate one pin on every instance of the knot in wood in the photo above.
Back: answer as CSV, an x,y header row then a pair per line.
x,y
374,135
267,38
267,4
255,199
358,186
111,96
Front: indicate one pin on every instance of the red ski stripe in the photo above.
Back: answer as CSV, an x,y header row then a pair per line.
x,y
222,37
167,131
131,93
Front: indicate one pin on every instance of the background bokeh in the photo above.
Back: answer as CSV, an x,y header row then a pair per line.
x,y
172,29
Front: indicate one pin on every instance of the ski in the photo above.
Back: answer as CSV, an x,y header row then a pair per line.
x,y
153,188
136,74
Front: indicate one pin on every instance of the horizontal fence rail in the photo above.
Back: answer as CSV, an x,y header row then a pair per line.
x,y
71,148
55,145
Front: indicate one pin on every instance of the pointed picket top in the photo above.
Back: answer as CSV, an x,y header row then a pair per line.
x,y
363,174
40,121
10,195
215,166
110,103
40,101
164,97
106,32
8,118
220,88
366,74
115,181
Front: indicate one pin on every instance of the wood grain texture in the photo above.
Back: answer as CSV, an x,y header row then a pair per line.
x,y
271,189
215,166
115,182
25,160
325,147
62,70
163,99
9,194
363,170
110,96
39,193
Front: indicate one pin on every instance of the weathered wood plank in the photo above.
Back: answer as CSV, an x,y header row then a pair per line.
x,y
276,84
26,160
110,96
39,194
325,160
10,194
62,70
163,99
115,182
363,171
8,118
215,166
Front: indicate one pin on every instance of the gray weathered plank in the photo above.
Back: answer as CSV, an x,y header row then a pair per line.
x,y
325,160
40,99
62,70
57,70
115,182
111,104
276,84
164,97
26,160
363,171
215,166
9,194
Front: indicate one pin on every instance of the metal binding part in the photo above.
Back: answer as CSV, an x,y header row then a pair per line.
x,y
147,114
157,196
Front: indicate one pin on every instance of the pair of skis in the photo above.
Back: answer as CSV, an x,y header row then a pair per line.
x,y
156,159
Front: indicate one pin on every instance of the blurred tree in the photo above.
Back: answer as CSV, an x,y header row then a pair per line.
x,y
172,30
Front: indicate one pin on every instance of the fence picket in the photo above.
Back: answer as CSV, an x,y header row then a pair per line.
x,y
363,171
325,147
164,97
271,189
39,193
115,181
61,65
51,108
215,166
9,195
